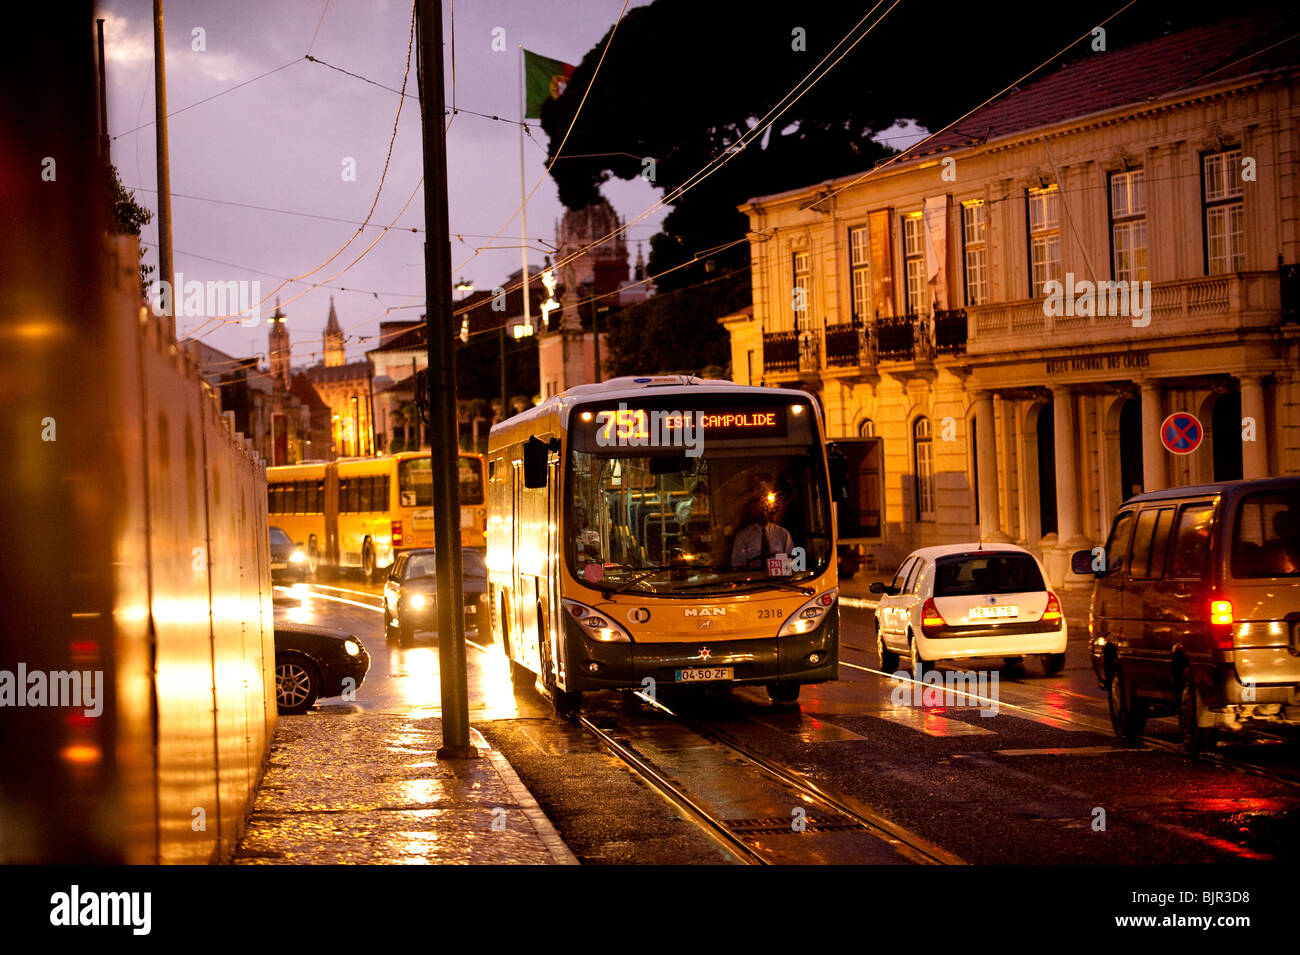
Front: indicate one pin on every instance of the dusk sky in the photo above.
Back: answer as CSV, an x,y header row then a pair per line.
x,y
281,142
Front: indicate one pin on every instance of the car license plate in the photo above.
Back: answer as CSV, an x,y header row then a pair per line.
x,y
278,565
470,608
987,613
702,674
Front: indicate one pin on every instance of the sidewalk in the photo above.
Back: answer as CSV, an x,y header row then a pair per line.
x,y
368,788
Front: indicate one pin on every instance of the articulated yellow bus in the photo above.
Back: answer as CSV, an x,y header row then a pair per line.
x,y
362,512
668,528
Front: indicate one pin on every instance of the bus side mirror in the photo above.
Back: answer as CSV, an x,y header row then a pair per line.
x,y
535,462
837,467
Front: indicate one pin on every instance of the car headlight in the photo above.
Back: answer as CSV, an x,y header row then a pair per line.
x,y
352,647
417,601
809,616
297,557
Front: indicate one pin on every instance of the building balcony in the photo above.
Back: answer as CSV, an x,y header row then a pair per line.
x,y
791,353
1200,306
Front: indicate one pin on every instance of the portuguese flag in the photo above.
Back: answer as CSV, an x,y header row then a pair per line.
x,y
544,79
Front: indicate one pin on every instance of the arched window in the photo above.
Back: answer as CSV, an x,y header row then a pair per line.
x,y
867,429
923,469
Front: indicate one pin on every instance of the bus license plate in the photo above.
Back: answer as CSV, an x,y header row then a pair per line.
x,y
702,674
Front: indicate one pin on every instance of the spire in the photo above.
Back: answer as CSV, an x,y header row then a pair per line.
x,y
332,325
640,263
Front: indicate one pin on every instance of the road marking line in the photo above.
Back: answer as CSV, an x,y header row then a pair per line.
x,y
1070,751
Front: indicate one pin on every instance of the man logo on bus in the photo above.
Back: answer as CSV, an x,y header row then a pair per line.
x,y
639,615
639,428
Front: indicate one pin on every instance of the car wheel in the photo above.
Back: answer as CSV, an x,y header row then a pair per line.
x,y
405,633
888,658
297,683
1191,707
388,626
783,692
313,558
918,665
1128,717
1053,663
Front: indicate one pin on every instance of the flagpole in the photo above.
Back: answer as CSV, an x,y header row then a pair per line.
x,y
523,197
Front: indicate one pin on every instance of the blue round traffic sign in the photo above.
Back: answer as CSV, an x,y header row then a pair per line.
x,y
1181,433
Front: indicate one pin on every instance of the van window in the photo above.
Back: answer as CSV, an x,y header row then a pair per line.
x,y
1266,537
1121,536
1150,541
1191,550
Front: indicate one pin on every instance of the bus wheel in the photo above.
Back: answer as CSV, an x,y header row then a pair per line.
x,y
783,692
369,568
313,557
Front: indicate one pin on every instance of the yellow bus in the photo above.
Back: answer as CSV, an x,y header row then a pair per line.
x,y
664,529
362,512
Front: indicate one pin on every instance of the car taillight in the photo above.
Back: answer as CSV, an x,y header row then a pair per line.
x,y
1053,611
1221,623
930,616
397,534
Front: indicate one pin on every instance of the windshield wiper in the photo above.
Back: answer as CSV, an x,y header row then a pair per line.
x,y
779,584
625,585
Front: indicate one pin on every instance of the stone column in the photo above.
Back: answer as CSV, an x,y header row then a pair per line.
x,y
1155,471
986,478
1254,454
1067,469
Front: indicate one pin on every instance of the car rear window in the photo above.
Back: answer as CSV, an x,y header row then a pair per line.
x,y
992,572
1266,536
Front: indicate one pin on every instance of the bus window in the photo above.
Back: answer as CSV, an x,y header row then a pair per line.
x,y
471,481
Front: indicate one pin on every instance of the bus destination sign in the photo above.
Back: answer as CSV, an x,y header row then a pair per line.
x,y
637,427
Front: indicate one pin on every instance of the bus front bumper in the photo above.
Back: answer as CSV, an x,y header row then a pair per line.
x,y
805,658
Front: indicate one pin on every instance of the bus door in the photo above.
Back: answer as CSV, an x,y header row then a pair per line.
x,y
553,627
331,508
523,592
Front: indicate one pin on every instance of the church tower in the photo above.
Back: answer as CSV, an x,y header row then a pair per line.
x,y
334,349
279,348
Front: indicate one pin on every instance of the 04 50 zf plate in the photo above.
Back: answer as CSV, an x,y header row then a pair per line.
x,y
703,674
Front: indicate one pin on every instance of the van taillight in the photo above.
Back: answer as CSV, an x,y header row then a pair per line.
x,y
397,534
1053,611
1221,623
930,616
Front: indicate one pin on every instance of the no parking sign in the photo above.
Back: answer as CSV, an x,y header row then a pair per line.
x,y
1181,433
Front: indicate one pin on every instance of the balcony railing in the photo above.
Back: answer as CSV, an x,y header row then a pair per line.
x,y
843,346
950,331
780,351
1202,305
895,337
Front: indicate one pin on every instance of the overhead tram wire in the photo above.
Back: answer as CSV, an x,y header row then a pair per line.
x,y
717,162
378,191
892,159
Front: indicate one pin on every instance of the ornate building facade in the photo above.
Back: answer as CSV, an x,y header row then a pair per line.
x,y
1016,314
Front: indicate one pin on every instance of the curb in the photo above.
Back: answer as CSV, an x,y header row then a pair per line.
x,y
560,853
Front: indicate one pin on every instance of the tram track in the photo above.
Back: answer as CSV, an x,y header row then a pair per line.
x,y
835,828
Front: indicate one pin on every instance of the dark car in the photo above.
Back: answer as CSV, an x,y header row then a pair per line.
x,y
1196,609
411,594
288,560
312,662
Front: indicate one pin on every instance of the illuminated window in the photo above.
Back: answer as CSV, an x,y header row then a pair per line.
x,y
1128,226
859,274
1224,212
802,283
1044,238
914,264
973,225
923,461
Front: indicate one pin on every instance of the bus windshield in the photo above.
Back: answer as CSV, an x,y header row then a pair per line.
x,y
731,518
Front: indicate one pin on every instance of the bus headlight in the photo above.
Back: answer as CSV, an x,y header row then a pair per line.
x,y
809,616
597,626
